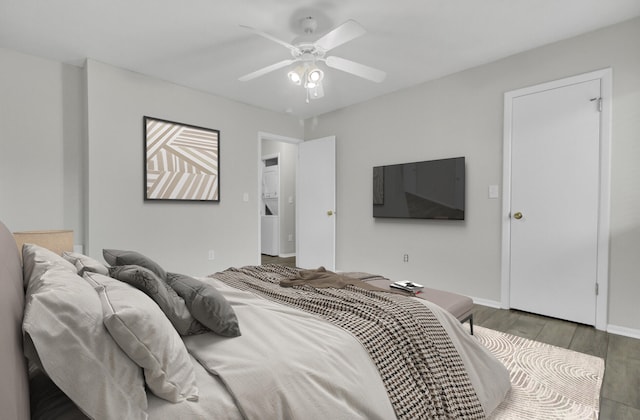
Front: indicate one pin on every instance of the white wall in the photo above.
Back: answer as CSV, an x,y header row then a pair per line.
x,y
178,235
288,159
41,114
462,115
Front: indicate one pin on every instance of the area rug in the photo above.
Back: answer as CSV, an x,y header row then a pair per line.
x,y
547,382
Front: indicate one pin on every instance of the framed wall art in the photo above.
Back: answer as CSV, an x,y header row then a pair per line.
x,y
181,161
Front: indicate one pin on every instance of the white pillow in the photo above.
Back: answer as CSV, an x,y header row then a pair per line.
x,y
143,331
64,323
36,260
85,263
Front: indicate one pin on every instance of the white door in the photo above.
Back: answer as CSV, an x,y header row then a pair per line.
x,y
315,210
555,184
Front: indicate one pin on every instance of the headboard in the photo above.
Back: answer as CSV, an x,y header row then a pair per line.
x,y
14,383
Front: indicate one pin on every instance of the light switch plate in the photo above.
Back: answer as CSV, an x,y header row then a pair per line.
x,y
494,191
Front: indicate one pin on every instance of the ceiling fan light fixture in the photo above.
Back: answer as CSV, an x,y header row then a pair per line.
x,y
315,75
307,50
296,75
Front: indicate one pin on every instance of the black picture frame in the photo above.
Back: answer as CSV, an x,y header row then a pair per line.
x,y
181,161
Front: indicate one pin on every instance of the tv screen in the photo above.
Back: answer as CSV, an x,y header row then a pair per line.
x,y
432,189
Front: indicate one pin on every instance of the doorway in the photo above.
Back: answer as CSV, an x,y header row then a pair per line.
x,y
277,198
312,204
556,198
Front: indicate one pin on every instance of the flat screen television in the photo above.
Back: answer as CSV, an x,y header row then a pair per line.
x,y
432,189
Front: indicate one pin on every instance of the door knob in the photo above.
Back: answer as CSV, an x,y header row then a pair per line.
x,y
329,212
517,215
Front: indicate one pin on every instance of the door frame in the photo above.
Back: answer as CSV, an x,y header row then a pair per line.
x,y
275,137
602,270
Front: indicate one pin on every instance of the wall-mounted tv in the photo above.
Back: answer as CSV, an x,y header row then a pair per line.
x,y
432,189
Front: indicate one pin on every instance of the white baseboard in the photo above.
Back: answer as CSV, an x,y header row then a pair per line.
x,y
286,255
627,332
613,329
486,302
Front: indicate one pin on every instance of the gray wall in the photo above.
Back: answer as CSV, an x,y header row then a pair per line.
x,y
288,160
71,156
41,120
462,115
177,234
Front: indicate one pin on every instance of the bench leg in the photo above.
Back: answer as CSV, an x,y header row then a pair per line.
x,y
470,319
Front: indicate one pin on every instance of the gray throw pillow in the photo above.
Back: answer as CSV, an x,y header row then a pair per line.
x,y
118,257
206,304
167,299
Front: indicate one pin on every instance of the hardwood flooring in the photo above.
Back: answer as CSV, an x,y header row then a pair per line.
x,y
288,261
620,393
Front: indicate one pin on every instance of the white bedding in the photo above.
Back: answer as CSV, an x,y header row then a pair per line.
x,y
255,367
287,364
214,403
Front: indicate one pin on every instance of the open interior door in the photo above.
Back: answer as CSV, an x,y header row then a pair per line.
x,y
316,204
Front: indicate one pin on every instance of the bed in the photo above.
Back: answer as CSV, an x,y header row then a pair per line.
x,y
304,351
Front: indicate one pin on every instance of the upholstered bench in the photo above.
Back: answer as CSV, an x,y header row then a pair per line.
x,y
458,305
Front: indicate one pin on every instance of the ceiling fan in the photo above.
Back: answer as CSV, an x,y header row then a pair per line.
x,y
307,53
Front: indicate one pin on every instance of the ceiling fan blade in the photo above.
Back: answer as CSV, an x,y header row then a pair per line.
x,y
340,35
266,70
285,44
358,69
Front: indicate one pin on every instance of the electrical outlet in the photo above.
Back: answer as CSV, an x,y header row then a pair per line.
x,y
405,258
212,255
290,237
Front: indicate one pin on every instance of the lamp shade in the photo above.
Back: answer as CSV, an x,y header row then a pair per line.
x,y
57,241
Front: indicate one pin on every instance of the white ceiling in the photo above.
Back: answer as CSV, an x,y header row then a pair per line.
x,y
200,44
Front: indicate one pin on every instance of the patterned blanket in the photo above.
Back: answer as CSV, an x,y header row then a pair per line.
x,y
422,371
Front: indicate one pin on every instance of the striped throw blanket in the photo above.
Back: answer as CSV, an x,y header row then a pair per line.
x,y
422,371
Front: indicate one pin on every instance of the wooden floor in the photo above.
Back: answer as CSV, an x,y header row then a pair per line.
x,y
620,394
268,259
